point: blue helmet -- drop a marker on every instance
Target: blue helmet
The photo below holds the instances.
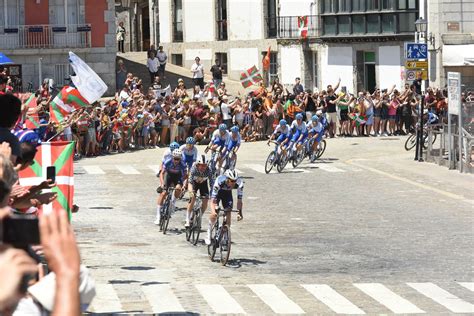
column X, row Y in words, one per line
column 190, row 140
column 283, row 122
column 234, row 129
column 222, row 127
column 315, row 118
column 174, row 145
column 299, row 116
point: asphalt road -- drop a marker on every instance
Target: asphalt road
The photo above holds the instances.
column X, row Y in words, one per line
column 363, row 230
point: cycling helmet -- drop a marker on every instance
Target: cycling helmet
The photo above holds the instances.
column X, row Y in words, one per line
column 231, row 174
column 315, row 118
column 177, row 153
column 299, row 116
column 283, row 122
column 201, row 159
column 222, row 127
column 234, row 129
column 174, row 145
column 190, row 140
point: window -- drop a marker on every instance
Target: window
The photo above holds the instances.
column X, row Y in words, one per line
column 369, row 57
column 271, row 19
column 344, row 24
column 372, row 5
column 344, row 5
column 358, row 5
column 177, row 59
column 373, row 23
column 329, row 25
column 411, row 4
column 178, row 21
column 221, row 16
column 402, row 4
column 388, row 23
column 388, row 4
column 406, row 22
column 10, row 13
column 64, row 12
column 222, row 58
column 329, row 6
column 358, row 24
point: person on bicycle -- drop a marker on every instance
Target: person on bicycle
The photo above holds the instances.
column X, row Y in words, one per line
column 300, row 132
column 315, row 131
column 166, row 156
column 198, row 181
column 431, row 118
column 173, row 174
column 222, row 193
column 283, row 131
column 219, row 139
column 233, row 144
column 190, row 154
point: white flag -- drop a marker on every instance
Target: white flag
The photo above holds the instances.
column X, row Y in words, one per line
column 89, row 84
column 163, row 93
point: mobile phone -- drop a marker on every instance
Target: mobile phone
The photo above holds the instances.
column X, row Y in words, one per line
column 51, row 173
column 20, row 231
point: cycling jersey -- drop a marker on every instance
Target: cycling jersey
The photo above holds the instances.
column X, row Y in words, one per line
column 217, row 139
column 189, row 155
column 316, row 129
column 220, row 186
column 198, row 176
column 175, row 169
column 284, row 131
column 166, row 155
column 432, row 118
column 232, row 143
column 298, row 131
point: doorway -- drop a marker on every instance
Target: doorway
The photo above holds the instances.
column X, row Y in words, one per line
column 146, row 28
column 370, row 82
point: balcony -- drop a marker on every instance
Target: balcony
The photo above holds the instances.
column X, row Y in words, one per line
column 46, row 36
column 286, row 27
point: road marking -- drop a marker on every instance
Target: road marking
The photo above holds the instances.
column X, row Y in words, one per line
column 106, row 300
column 329, row 168
column 93, row 170
column 420, row 185
column 332, row 299
column 127, row 169
column 162, row 298
column 271, row 295
column 155, row 168
column 467, row 285
column 440, row 296
column 389, row 299
column 288, row 168
column 256, row 167
column 219, row 299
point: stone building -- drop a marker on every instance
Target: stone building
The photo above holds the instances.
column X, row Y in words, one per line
column 37, row 36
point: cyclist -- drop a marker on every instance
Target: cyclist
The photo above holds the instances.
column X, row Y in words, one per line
column 166, row 156
column 432, row 117
column 222, row 192
column 284, row 130
column 300, row 132
column 219, row 140
column 198, row 181
column 190, row 152
column 233, row 144
column 173, row 174
column 315, row 131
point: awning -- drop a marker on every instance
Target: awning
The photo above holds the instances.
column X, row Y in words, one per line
column 4, row 59
column 458, row 55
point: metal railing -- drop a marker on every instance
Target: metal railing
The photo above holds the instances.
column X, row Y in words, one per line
column 177, row 31
column 221, row 30
column 287, row 27
column 46, row 36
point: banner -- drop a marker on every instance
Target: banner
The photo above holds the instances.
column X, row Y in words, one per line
column 303, row 26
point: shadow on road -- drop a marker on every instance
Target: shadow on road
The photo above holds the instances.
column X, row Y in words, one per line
column 238, row 263
column 137, row 268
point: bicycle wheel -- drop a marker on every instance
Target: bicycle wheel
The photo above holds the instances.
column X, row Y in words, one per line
column 270, row 161
column 196, row 228
column 425, row 140
column 299, row 158
column 166, row 213
column 189, row 230
column 211, row 249
column 283, row 161
column 410, row 142
column 224, row 244
column 321, row 148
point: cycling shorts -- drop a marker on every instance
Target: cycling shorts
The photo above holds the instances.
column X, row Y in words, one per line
column 219, row 142
column 297, row 135
column 202, row 187
column 172, row 179
column 231, row 145
column 225, row 196
column 281, row 138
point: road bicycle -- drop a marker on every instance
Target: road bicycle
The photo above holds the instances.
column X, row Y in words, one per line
column 230, row 161
column 166, row 210
column 194, row 229
column 220, row 237
column 273, row 157
column 213, row 163
column 410, row 143
column 285, row 156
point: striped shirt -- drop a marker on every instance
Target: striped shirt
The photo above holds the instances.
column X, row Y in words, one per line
column 198, row 176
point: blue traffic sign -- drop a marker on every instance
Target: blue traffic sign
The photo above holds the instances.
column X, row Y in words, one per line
column 416, row 51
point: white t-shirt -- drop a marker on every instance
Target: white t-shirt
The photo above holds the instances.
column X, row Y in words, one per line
column 152, row 64
column 200, row 71
column 225, row 111
column 162, row 57
column 124, row 95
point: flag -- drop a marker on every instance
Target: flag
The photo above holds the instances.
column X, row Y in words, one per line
column 32, row 118
column 60, row 155
column 250, row 77
column 303, row 26
column 266, row 60
column 66, row 101
column 359, row 119
column 163, row 93
column 89, row 84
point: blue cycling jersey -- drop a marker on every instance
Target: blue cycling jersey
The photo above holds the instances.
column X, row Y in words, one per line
column 171, row 167
column 298, row 127
column 285, row 130
column 221, row 185
column 234, row 142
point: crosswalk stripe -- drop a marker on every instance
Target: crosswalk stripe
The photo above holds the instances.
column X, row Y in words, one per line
column 162, row 298
column 155, row 168
column 389, row 299
column 288, row 169
column 256, row 167
column 219, row 299
column 93, row 170
column 271, row 295
column 443, row 297
column 127, row 169
column 329, row 168
column 106, row 299
column 332, row 299
column 467, row 285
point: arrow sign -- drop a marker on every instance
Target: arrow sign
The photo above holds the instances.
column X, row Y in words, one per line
column 416, row 64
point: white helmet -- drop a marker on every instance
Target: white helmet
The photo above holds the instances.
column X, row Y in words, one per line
column 201, row 159
column 177, row 153
column 231, row 174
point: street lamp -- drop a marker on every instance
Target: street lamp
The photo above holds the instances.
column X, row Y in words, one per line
column 421, row 27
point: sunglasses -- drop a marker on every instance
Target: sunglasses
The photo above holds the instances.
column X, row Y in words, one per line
column 176, row 158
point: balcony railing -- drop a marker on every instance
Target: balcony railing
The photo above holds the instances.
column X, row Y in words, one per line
column 221, row 30
column 287, row 27
column 45, row 36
